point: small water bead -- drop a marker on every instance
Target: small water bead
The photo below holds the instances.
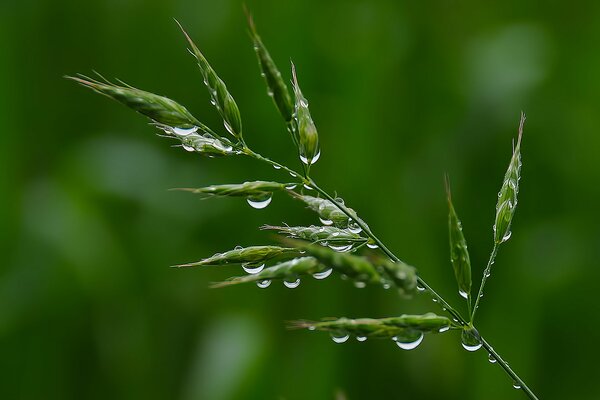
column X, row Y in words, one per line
column 419, row 288
column 444, row 329
column 188, row 148
column 386, row 285
column 238, row 247
column 259, row 202
column 372, row 246
column 293, row 174
column 360, row 285
column 326, row 221
column 516, row 385
column 463, row 294
column 341, row 248
column 354, row 227
column 409, row 343
column 339, row 337
column 492, row 359
column 291, row 186
column 184, row 131
column 253, row 269
column 264, row 283
column 323, row 275
column 307, row 187
column 506, row 236
column 312, row 328
column 228, row 128
column 292, row 284
column 339, row 200
column 276, row 166
column 470, row 339
column 361, row 338
column 434, row 300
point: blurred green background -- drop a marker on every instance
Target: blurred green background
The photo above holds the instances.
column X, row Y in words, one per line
column 401, row 91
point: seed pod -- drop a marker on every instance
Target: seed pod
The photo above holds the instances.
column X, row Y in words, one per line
column 402, row 326
column 254, row 189
column 356, row 268
column 326, row 210
column 221, row 98
column 244, row 255
column 276, row 87
column 290, row 269
column 402, row 275
column 158, row 108
column 507, row 197
column 308, row 138
column 459, row 255
column 328, row 234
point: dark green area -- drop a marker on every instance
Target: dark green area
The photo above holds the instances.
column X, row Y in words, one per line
column 401, row 92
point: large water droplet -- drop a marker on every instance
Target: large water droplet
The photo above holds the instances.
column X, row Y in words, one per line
column 409, row 342
column 492, row 359
column 463, row 294
column 361, row 338
column 341, row 248
column 253, row 269
column 339, row 337
column 292, row 284
column 323, row 275
column 184, row 131
column 420, row 288
column 259, row 202
column 354, row 227
column 470, row 339
column 263, row 284
column 325, row 221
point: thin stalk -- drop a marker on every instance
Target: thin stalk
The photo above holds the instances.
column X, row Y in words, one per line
column 439, row 299
column 508, row 370
column 486, row 274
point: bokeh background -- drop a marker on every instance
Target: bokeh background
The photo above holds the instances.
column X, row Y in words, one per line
column 401, row 91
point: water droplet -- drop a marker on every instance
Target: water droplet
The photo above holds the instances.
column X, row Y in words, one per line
column 420, row 288
column 434, row 300
column 293, row 174
column 276, row 166
column 253, row 269
column 184, row 131
column 360, row 284
column 470, row 339
column 506, row 236
column 187, row 147
column 372, row 245
column 325, row 221
column 361, row 338
column 307, row 187
column 339, row 337
column 339, row 200
column 492, row 359
column 263, row 284
column 291, row 186
column 444, row 329
column 238, row 247
column 323, row 275
column 228, row 127
column 292, row 284
column 259, row 202
column 312, row 328
column 386, row 285
column 341, row 248
column 354, row 227
column 409, row 343
column 516, row 385
column 304, row 102
column 463, row 294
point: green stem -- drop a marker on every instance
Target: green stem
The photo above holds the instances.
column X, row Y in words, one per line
column 439, row 299
column 486, row 274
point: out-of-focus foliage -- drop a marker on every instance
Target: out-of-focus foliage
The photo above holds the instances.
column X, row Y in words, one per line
column 402, row 92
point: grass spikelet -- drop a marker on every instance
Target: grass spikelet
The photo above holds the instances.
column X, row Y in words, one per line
column 402, row 275
column 327, row 211
column 221, row 98
column 507, row 197
column 254, row 189
column 244, row 255
column 321, row 234
column 308, row 138
column 288, row 270
column 276, row 87
column 158, row 108
column 459, row 255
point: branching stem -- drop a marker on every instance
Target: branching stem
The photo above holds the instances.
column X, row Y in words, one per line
column 306, row 180
column 486, row 274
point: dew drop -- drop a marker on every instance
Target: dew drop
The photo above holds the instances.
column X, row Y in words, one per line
column 470, row 339
column 516, row 385
column 354, row 227
column 492, row 359
column 326, row 221
column 238, row 247
column 184, row 131
column 291, row 186
column 419, row 288
column 361, row 338
column 323, row 275
column 307, row 187
column 444, row 329
column 253, row 269
column 292, row 284
column 312, row 328
column 409, row 343
column 228, row 127
column 259, row 202
column 339, row 337
column 188, row 148
column 506, row 236
column 276, row 166
column 463, row 294
column 386, row 286
column 263, row 284
column 341, row 248
column 360, row 284
column 293, row 174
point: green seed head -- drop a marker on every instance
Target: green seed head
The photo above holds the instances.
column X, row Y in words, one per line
column 254, row 189
column 402, row 275
column 322, row 234
column 326, row 210
column 308, row 138
column 244, row 255
column 158, row 108
column 276, row 87
column 220, row 96
column 459, row 255
column 507, row 197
